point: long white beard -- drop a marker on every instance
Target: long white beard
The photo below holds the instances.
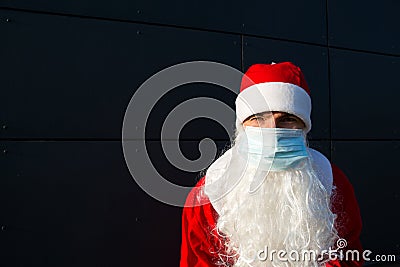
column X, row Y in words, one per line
column 290, row 211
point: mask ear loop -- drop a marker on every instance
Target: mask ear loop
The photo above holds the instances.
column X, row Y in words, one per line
column 306, row 138
column 258, row 182
column 260, row 174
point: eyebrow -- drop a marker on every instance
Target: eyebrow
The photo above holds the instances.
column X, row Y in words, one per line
column 286, row 115
column 259, row 114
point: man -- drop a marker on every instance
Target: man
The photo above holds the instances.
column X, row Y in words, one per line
column 269, row 192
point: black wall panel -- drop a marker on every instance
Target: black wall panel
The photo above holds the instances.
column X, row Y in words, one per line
column 288, row 19
column 221, row 127
column 74, row 203
column 72, row 77
column 69, row 70
column 314, row 63
column 322, row 146
column 59, row 197
column 212, row 15
column 375, row 181
column 365, row 25
column 364, row 95
column 264, row 18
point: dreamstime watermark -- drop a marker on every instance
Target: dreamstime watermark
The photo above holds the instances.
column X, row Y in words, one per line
column 321, row 257
column 143, row 102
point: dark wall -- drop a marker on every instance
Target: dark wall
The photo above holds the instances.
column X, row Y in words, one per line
column 69, row 69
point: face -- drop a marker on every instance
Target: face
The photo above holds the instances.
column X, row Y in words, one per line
column 274, row 119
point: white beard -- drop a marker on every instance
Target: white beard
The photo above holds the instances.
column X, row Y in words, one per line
column 290, row 211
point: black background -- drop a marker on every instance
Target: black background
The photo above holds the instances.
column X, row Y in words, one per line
column 68, row 70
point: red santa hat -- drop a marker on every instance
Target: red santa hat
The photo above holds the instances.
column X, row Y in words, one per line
column 274, row 87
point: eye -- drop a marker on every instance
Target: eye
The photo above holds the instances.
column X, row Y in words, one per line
column 259, row 118
column 256, row 118
column 289, row 119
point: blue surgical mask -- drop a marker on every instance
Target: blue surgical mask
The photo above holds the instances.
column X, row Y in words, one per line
column 273, row 149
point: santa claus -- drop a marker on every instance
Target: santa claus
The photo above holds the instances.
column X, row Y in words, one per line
column 270, row 200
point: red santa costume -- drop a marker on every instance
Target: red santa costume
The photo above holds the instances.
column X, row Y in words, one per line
column 240, row 212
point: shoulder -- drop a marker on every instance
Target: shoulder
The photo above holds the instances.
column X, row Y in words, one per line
column 343, row 189
column 196, row 196
column 345, row 206
column 198, row 207
column 331, row 176
column 200, row 241
column 340, row 178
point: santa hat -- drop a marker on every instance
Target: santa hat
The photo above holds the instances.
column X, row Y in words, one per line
column 274, row 87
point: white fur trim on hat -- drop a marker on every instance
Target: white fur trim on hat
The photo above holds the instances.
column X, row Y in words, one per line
column 274, row 96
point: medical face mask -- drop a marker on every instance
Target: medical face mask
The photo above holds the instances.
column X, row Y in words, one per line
column 273, row 149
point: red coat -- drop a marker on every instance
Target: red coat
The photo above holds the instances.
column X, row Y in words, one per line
column 199, row 239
